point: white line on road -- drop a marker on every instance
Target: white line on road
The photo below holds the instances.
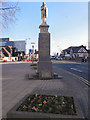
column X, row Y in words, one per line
column 76, row 69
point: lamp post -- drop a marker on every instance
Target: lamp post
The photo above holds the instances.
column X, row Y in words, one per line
column 33, row 43
column 26, row 45
column 59, row 49
column 26, row 42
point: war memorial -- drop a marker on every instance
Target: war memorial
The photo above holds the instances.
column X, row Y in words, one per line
column 44, row 64
column 46, row 105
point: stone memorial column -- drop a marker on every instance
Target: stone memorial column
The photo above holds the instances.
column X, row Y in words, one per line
column 44, row 64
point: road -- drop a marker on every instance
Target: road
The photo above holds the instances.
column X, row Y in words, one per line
column 76, row 68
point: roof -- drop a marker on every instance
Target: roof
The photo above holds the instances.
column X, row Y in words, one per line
column 75, row 49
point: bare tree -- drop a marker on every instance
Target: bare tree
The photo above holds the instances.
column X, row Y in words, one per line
column 8, row 12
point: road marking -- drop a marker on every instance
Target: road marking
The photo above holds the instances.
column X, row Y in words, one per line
column 85, row 81
column 75, row 69
column 80, row 78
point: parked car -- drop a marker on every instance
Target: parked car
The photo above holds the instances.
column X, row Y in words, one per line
column 7, row 59
column 35, row 59
column 29, row 59
column 58, row 58
column 4, row 60
column 52, row 58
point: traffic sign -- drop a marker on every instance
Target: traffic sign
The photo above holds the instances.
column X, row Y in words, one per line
column 30, row 50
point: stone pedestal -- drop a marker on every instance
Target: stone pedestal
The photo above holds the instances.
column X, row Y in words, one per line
column 44, row 64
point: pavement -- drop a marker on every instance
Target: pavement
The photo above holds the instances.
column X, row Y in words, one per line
column 15, row 86
column 69, row 61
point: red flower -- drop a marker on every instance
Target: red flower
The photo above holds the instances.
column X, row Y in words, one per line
column 24, row 106
column 39, row 96
column 44, row 102
column 48, row 97
column 33, row 108
column 32, row 101
column 36, row 109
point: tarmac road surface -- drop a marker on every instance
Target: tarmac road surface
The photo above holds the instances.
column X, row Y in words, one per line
column 78, row 69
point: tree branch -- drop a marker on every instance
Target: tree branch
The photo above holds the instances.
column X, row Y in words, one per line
column 7, row 8
column 8, row 13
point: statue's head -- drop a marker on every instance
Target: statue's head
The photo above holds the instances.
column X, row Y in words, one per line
column 43, row 3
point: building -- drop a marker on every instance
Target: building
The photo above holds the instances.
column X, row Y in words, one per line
column 75, row 52
column 6, row 46
column 10, row 48
column 5, row 39
column 20, row 48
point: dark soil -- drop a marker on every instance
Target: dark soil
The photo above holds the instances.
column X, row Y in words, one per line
column 33, row 64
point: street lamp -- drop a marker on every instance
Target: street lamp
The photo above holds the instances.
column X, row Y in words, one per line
column 59, row 49
column 26, row 42
column 33, row 43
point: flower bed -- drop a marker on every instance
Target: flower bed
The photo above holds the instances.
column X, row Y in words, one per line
column 48, row 104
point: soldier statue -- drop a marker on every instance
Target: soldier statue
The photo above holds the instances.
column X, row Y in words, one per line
column 44, row 13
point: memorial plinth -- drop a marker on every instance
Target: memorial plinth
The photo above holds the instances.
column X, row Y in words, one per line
column 44, row 64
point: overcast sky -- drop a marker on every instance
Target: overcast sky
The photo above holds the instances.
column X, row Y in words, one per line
column 68, row 24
